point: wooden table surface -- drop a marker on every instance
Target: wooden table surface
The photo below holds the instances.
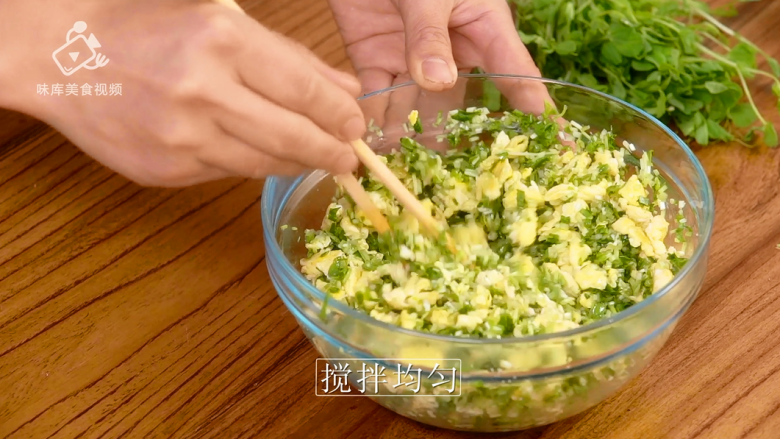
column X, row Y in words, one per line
column 136, row 312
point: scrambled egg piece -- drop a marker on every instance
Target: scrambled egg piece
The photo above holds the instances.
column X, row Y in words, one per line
column 414, row 116
column 523, row 232
column 633, row 190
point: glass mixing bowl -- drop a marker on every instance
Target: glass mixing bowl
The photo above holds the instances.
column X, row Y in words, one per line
column 502, row 384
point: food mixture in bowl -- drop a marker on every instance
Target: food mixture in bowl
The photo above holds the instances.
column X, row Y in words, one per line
column 554, row 229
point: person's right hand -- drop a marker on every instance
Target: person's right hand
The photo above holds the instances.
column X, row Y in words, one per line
column 206, row 93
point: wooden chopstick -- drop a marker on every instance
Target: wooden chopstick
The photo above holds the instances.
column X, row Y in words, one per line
column 369, row 158
column 364, row 202
column 394, row 185
column 347, row 181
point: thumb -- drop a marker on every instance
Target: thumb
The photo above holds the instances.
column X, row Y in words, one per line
column 428, row 48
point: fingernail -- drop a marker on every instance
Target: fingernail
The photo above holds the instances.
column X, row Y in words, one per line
column 437, row 70
column 353, row 129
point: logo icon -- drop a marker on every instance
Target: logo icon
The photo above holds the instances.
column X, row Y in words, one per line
column 78, row 51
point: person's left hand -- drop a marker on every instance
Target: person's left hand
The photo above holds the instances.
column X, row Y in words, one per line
column 430, row 40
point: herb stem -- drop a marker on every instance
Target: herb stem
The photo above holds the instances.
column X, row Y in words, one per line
column 766, row 74
column 611, row 73
column 720, row 43
column 670, row 24
column 728, row 31
column 718, row 57
column 750, row 96
column 715, row 22
column 736, row 67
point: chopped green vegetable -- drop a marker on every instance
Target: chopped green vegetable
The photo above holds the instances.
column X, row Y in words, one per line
column 439, row 119
column 491, row 97
column 672, row 58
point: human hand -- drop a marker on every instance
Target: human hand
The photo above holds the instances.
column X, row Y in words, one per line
column 430, row 40
column 206, row 92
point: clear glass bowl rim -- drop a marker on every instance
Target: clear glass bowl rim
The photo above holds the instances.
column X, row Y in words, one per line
column 705, row 224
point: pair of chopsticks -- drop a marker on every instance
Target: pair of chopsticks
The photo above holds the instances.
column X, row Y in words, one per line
column 383, row 174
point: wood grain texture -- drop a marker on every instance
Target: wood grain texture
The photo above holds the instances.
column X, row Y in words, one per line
column 132, row 312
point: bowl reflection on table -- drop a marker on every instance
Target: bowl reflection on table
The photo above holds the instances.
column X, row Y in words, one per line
column 511, row 383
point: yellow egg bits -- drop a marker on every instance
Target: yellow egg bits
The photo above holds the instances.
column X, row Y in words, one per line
column 548, row 238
